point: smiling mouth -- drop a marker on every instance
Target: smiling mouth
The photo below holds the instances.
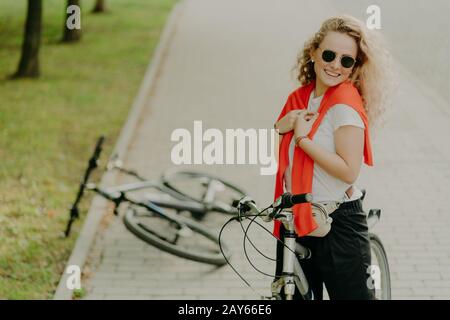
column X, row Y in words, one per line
column 332, row 74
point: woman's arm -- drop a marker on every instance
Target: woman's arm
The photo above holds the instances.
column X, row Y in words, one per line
column 286, row 123
column 346, row 163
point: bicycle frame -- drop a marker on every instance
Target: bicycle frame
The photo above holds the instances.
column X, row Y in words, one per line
column 185, row 202
column 118, row 194
column 119, row 197
column 292, row 272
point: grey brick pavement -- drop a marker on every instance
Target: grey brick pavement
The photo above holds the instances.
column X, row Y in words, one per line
column 228, row 65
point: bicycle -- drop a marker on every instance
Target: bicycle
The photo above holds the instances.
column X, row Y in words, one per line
column 203, row 192
column 292, row 274
column 147, row 220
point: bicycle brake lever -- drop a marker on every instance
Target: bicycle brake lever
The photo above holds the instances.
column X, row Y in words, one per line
column 269, row 217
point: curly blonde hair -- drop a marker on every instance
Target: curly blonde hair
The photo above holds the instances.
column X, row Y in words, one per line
column 372, row 73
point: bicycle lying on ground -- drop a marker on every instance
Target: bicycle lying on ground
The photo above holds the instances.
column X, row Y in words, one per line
column 202, row 191
column 145, row 217
column 292, row 274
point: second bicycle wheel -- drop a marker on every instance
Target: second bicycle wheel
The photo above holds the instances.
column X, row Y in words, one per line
column 212, row 191
column 381, row 276
column 178, row 235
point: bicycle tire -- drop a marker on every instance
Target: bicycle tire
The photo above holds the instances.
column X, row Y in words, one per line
column 144, row 232
column 377, row 248
column 192, row 177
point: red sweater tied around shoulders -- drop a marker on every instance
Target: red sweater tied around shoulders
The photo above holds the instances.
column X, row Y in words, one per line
column 303, row 165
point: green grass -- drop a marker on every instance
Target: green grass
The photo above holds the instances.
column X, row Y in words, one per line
column 48, row 127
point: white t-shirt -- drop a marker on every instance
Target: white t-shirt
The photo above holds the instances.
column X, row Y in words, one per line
column 326, row 187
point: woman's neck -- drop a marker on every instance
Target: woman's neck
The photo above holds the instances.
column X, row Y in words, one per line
column 319, row 90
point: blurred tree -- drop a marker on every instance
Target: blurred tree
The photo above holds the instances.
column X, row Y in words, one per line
column 29, row 61
column 72, row 27
column 100, row 6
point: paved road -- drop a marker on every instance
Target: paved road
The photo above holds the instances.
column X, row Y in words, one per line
column 228, row 65
column 418, row 35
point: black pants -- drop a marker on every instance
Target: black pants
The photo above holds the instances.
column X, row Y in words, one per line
column 341, row 259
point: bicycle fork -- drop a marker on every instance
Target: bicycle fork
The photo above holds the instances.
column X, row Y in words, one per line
column 292, row 273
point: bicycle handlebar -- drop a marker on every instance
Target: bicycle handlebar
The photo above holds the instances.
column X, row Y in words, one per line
column 247, row 206
column 288, row 200
column 92, row 164
column 116, row 196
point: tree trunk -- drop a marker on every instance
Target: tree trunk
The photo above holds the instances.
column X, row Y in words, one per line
column 72, row 34
column 100, row 6
column 29, row 61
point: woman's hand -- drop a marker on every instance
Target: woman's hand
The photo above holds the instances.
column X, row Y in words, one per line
column 304, row 122
column 286, row 123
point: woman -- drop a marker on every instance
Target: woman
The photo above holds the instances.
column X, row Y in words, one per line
column 324, row 125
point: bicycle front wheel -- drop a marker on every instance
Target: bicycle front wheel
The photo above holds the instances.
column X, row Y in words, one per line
column 179, row 236
column 380, row 272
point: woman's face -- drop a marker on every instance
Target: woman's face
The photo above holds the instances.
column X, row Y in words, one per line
column 329, row 74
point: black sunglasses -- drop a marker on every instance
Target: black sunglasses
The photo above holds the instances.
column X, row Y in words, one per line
column 329, row 56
